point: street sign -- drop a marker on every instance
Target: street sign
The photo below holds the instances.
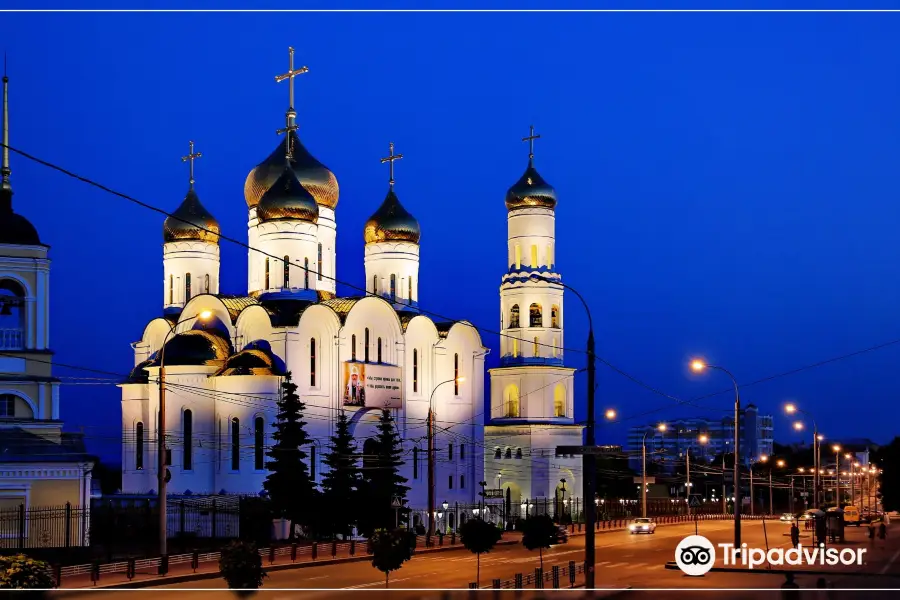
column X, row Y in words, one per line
column 695, row 501
column 804, row 494
column 493, row 493
column 397, row 502
column 649, row 479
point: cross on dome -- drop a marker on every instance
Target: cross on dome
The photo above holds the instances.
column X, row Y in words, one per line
column 192, row 156
column 390, row 159
column 530, row 139
column 291, row 114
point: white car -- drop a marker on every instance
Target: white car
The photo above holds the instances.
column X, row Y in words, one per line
column 786, row 517
column 642, row 525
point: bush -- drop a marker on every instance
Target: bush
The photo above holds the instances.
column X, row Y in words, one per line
column 22, row 572
column 241, row 566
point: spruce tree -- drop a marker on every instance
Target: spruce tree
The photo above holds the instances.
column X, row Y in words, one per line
column 292, row 492
column 340, row 485
column 381, row 479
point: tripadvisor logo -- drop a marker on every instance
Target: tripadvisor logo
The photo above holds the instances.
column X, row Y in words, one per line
column 695, row 555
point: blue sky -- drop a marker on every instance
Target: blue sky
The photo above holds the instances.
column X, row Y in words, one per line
column 727, row 183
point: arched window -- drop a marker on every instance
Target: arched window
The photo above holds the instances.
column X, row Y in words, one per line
column 518, row 256
column 370, row 456
column 139, row 446
column 287, row 271
column 188, row 435
column 514, row 317
column 498, row 453
column 536, row 318
column 536, row 347
column 452, row 520
column 554, row 316
column 410, row 289
column 366, row 347
column 235, row 444
column 508, row 453
column 171, row 289
column 456, row 374
column 206, row 283
column 378, row 356
column 266, row 278
column 319, row 263
column 187, row 287
column 259, row 439
column 393, row 287
column 306, row 273
column 312, row 362
column 375, row 284
column 353, row 347
column 415, row 370
column 559, row 401
column 534, row 258
column 518, row 453
column 511, row 401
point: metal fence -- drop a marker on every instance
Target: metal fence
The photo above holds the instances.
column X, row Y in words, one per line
column 45, row 527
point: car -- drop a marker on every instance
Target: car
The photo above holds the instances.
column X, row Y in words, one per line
column 642, row 525
column 808, row 515
column 562, row 534
column 786, row 517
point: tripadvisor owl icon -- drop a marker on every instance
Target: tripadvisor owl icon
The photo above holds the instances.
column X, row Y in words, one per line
column 695, row 555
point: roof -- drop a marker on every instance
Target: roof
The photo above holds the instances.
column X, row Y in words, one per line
column 18, row 445
column 235, row 304
column 342, row 306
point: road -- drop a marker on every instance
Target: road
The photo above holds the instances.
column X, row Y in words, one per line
column 623, row 561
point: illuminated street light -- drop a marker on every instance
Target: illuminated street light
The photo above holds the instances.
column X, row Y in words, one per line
column 798, row 425
column 610, row 414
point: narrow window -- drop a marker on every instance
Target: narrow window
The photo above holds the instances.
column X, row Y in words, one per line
column 187, row 287
column 508, row 453
column 549, row 256
column 188, row 434
column 206, row 283
column 266, row 280
column 312, row 362
column 353, row 347
column 410, row 288
column 378, row 356
column 312, row 463
column 287, row 271
column 559, row 401
column 554, row 316
column 536, row 350
column 306, row 273
column 462, row 453
column 416, row 462
column 450, row 482
column 518, row 453
column 534, row 261
column 456, row 374
column 514, row 317
column 139, row 446
column 393, row 287
column 375, row 284
column 171, row 289
column 535, row 316
column 515, row 351
column 235, row 444
column 449, row 451
column 497, row 453
column 366, row 347
column 518, row 256
column 259, row 437
column 319, row 263
column 415, row 370
column 462, row 482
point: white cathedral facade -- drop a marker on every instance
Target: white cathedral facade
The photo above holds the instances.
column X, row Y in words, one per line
column 225, row 355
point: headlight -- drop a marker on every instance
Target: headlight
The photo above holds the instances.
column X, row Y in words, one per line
column 631, row 527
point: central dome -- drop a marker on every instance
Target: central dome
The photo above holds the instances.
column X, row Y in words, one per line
column 531, row 191
column 287, row 200
column 191, row 221
column 312, row 175
column 392, row 223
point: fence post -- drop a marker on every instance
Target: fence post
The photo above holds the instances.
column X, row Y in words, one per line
column 555, row 577
column 294, row 552
column 352, row 547
column 164, row 564
column 496, row 584
column 315, row 550
column 22, row 526
column 195, row 560
column 129, row 570
column 518, row 579
column 571, row 573
column 333, row 548
column 95, row 572
column 57, row 574
column 538, row 578
column 212, row 520
column 271, row 553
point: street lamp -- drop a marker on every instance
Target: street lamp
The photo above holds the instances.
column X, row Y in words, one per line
column 660, row 427
column 837, row 474
column 792, row 409
column 161, row 441
column 431, row 451
column 702, row 439
column 610, row 414
column 699, row 366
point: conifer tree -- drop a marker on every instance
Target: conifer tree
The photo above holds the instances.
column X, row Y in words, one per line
column 292, row 492
column 340, row 485
column 381, row 478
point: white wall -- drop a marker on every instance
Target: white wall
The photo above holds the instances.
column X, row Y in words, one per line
column 400, row 259
column 199, row 259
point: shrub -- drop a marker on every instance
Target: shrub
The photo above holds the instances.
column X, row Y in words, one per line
column 21, row 572
column 241, row 566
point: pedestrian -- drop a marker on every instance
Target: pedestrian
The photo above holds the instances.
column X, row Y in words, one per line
column 789, row 586
column 795, row 535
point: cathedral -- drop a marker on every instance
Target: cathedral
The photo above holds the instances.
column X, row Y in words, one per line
column 223, row 356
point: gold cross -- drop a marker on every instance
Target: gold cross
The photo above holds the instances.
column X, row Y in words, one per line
column 390, row 159
column 530, row 139
column 290, row 76
column 192, row 157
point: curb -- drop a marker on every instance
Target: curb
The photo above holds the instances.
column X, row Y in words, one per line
column 145, row 583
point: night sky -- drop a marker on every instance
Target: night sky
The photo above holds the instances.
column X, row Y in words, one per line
column 727, row 183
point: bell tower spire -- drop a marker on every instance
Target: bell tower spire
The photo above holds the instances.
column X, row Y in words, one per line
column 5, row 171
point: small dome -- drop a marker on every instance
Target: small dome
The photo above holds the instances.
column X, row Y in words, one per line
column 250, row 362
column 194, row 222
column 531, row 191
column 139, row 373
column 206, row 347
column 392, row 223
column 287, row 199
column 16, row 229
column 312, row 175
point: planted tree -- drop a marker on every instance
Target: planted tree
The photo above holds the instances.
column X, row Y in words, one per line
column 20, row 572
column 340, row 485
column 381, row 481
column 241, row 566
column 288, row 483
column 390, row 549
column 539, row 532
column 479, row 536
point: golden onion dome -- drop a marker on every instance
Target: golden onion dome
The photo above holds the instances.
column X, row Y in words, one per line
column 531, row 191
column 286, row 200
column 312, row 175
column 191, row 221
column 392, row 223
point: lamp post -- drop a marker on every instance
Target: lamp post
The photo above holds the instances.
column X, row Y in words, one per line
column 817, row 463
column 589, row 460
column 431, row 453
column 445, row 506
column 483, row 485
column 779, row 464
column 762, row 458
column 161, row 439
column 853, row 467
column 702, row 439
column 837, row 474
column 698, row 366
column 660, row 427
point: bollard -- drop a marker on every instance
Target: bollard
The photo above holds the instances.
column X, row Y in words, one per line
column 518, row 581
column 315, row 550
column 496, row 584
column 95, row 572
column 555, row 575
column 538, row 578
column 164, row 564
column 57, row 575
column 473, row 585
column 571, row 573
column 294, row 552
column 333, row 548
column 195, row 560
column 271, row 553
column 352, row 547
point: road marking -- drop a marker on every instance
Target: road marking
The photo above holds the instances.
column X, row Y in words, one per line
column 617, row 565
column 353, row 587
column 890, row 562
column 600, row 564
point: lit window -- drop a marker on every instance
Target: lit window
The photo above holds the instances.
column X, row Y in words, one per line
column 187, row 287
column 259, row 437
column 393, row 286
column 511, row 401
column 266, row 280
column 536, row 349
column 206, row 283
column 535, row 316
column 559, row 401
column 554, row 316
column 456, row 374
column 410, row 289
column 171, row 289
column 515, row 349
column 514, row 317
column 534, row 259
column 518, row 256
column 549, row 256
column 319, row 264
